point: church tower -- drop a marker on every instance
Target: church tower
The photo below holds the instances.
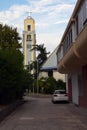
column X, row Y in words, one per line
column 29, row 40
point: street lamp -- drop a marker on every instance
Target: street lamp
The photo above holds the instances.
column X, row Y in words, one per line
column 37, row 76
column 31, row 71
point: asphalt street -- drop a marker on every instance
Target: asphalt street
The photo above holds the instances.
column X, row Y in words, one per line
column 42, row 114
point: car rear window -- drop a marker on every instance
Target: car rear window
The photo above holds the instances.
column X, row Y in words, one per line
column 59, row 92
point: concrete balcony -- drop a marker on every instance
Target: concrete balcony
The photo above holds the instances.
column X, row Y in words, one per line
column 76, row 56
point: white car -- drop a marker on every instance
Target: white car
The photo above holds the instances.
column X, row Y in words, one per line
column 60, row 95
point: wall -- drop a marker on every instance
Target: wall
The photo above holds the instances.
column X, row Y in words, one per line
column 83, row 98
column 69, row 88
column 75, row 90
column 58, row 75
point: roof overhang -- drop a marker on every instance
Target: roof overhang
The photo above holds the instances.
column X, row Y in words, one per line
column 48, row 69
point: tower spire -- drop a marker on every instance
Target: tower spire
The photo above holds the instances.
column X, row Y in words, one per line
column 29, row 13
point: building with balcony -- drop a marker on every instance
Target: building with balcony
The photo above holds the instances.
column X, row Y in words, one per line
column 72, row 54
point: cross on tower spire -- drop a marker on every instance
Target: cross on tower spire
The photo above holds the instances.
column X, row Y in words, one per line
column 29, row 13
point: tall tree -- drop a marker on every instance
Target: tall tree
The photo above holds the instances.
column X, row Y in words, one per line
column 42, row 53
column 9, row 37
column 41, row 57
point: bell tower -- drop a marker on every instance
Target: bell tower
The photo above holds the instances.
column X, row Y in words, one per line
column 29, row 40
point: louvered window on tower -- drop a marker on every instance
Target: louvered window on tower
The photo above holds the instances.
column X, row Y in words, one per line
column 29, row 27
column 28, row 37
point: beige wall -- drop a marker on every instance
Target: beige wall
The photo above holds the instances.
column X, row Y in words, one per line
column 56, row 75
column 29, row 22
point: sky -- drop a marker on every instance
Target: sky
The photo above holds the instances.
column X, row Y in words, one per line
column 51, row 18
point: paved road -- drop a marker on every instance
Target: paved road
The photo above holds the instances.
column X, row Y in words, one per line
column 41, row 114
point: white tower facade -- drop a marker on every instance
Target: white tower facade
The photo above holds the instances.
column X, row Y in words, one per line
column 29, row 40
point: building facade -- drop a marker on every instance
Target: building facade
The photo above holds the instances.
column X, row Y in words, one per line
column 72, row 54
column 29, row 40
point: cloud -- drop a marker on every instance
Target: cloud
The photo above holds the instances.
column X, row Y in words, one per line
column 57, row 10
column 50, row 7
column 14, row 12
column 50, row 41
column 50, row 13
column 47, row 13
column 41, row 2
column 42, row 25
column 61, row 21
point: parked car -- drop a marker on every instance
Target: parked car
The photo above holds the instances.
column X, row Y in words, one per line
column 60, row 95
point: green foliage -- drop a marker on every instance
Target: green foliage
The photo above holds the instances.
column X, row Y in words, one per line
column 48, row 85
column 9, row 38
column 42, row 53
column 13, row 78
column 41, row 58
column 61, row 84
column 27, row 80
column 42, row 84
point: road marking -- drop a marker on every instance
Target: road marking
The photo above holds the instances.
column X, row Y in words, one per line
column 27, row 118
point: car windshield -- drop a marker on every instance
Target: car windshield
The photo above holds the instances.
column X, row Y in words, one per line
column 59, row 92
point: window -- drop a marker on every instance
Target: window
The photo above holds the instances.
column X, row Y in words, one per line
column 28, row 37
column 80, row 83
column 84, row 12
column 77, row 25
column 64, row 47
column 67, row 41
column 85, row 22
column 50, row 73
column 29, row 27
column 70, row 35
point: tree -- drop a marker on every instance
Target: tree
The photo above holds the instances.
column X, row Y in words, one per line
column 41, row 84
column 50, row 85
column 42, row 53
column 14, row 80
column 61, row 84
column 9, row 37
column 41, row 58
column 10, row 72
column 46, row 85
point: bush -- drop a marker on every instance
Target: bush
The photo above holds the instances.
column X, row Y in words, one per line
column 61, row 84
column 47, row 85
column 50, row 85
column 13, row 78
